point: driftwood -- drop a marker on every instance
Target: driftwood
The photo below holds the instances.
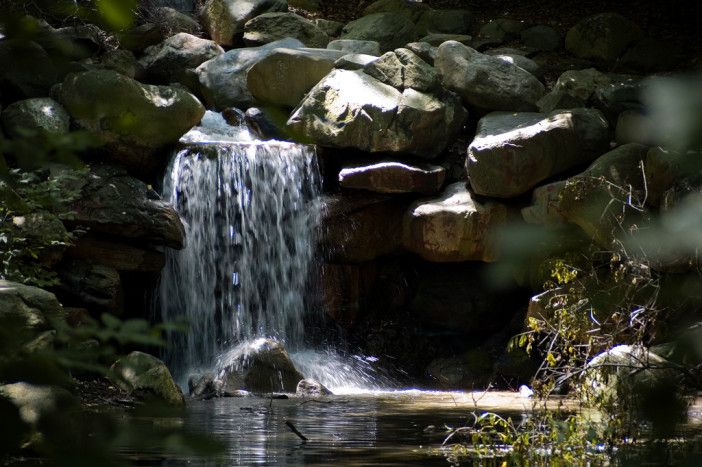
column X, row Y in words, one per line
column 295, row 430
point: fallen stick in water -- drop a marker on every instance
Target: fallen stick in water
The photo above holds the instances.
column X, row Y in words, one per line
column 295, row 430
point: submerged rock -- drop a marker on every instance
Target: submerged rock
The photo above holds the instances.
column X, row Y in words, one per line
column 261, row 366
column 146, row 376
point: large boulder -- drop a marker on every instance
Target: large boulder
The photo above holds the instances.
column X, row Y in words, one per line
column 224, row 20
column 453, row 227
column 544, row 208
column 41, row 114
column 44, row 233
column 403, row 69
column 27, row 71
column 171, row 21
column 390, row 29
column 113, row 203
column 94, row 286
column 355, row 46
column 574, row 88
column 29, row 308
column 169, row 61
column 393, row 177
column 602, row 37
column 486, row 82
column 223, row 80
column 286, row 75
column 145, row 376
column 513, row 152
column 117, row 255
column 270, row 27
column 351, row 109
column 444, row 22
column 261, row 366
column 131, row 119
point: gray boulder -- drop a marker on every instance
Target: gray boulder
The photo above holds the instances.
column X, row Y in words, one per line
column 27, row 70
column 311, row 388
column 41, row 114
column 171, row 21
column 270, row 27
column 355, row 46
column 93, row 286
column 223, row 80
column 501, row 30
column 635, row 127
column 602, row 37
column 145, row 376
column 541, row 37
column 573, row 89
column 424, row 50
column 403, row 69
column 351, row 109
column 225, row 19
column 453, row 227
column 31, row 308
column 484, row 81
column 330, row 28
column 436, row 39
column 286, row 75
column 445, row 22
column 354, row 61
column 111, row 202
column 393, row 177
column 513, row 152
column 522, row 62
column 131, row 119
column 544, row 208
column 390, row 29
column 169, row 61
column 260, row 366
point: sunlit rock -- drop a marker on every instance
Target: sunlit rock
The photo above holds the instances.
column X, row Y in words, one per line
column 351, row 109
column 355, row 46
column 145, row 376
column 40, row 114
column 225, row 19
column 311, row 388
column 31, row 308
column 223, row 80
column 453, row 227
column 270, row 27
column 513, row 152
column 486, row 82
column 544, row 205
column 286, row 75
column 403, row 69
column 393, row 177
column 168, row 61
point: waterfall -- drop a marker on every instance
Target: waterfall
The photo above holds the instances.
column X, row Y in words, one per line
column 250, row 210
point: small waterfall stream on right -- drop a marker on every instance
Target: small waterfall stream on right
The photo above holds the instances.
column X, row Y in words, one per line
column 250, row 209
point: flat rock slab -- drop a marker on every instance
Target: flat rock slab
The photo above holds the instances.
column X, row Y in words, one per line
column 393, row 177
column 453, row 227
column 513, row 152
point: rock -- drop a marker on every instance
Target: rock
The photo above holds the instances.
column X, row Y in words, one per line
column 41, row 114
column 559, row 100
column 541, row 37
column 122, row 61
column 424, row 50
column 260, row 366
column 522, row 62
column 445, row 22
column 225, row 19
column 131, row 119
column 168, row 61
column 634, row 127
column 341, row 293
column 270, row 27
column 453, row 227
column 31, row 308
column 351, row 109
column 223, row 80
column 73, row 42
column 204, row 386
column 140, row 37
column 171, row 21
column 356, row 229
column 113, row 203
column 484, row 81
column 27, row 70
column 648, row 55
column 501, row 30
column 390, row 29
column 389, row 6
column 308, row 5
column 266, row 123
column 513, row 152
column 41, row 406
column 604, row 37
column 93, row 286
column 144, row 375
column 393, row 177
column 184, row 6
column 436, row 39
column 329, row 27
column 623, row 372
column 581, row 83
column 668, row 172
column 355, row 46
column 286, row 75
column 115, row 255
column 619, row 94
column 45, row 229
column 403, row 69
column 311, row 388
column 354, row 61
column 544, row 208
column 598, row 199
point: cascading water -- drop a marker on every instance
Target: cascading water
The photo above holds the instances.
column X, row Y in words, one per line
column 250, row 209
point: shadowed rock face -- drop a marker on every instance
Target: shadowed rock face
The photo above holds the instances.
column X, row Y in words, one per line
column 393, row 177
column 146, row 376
